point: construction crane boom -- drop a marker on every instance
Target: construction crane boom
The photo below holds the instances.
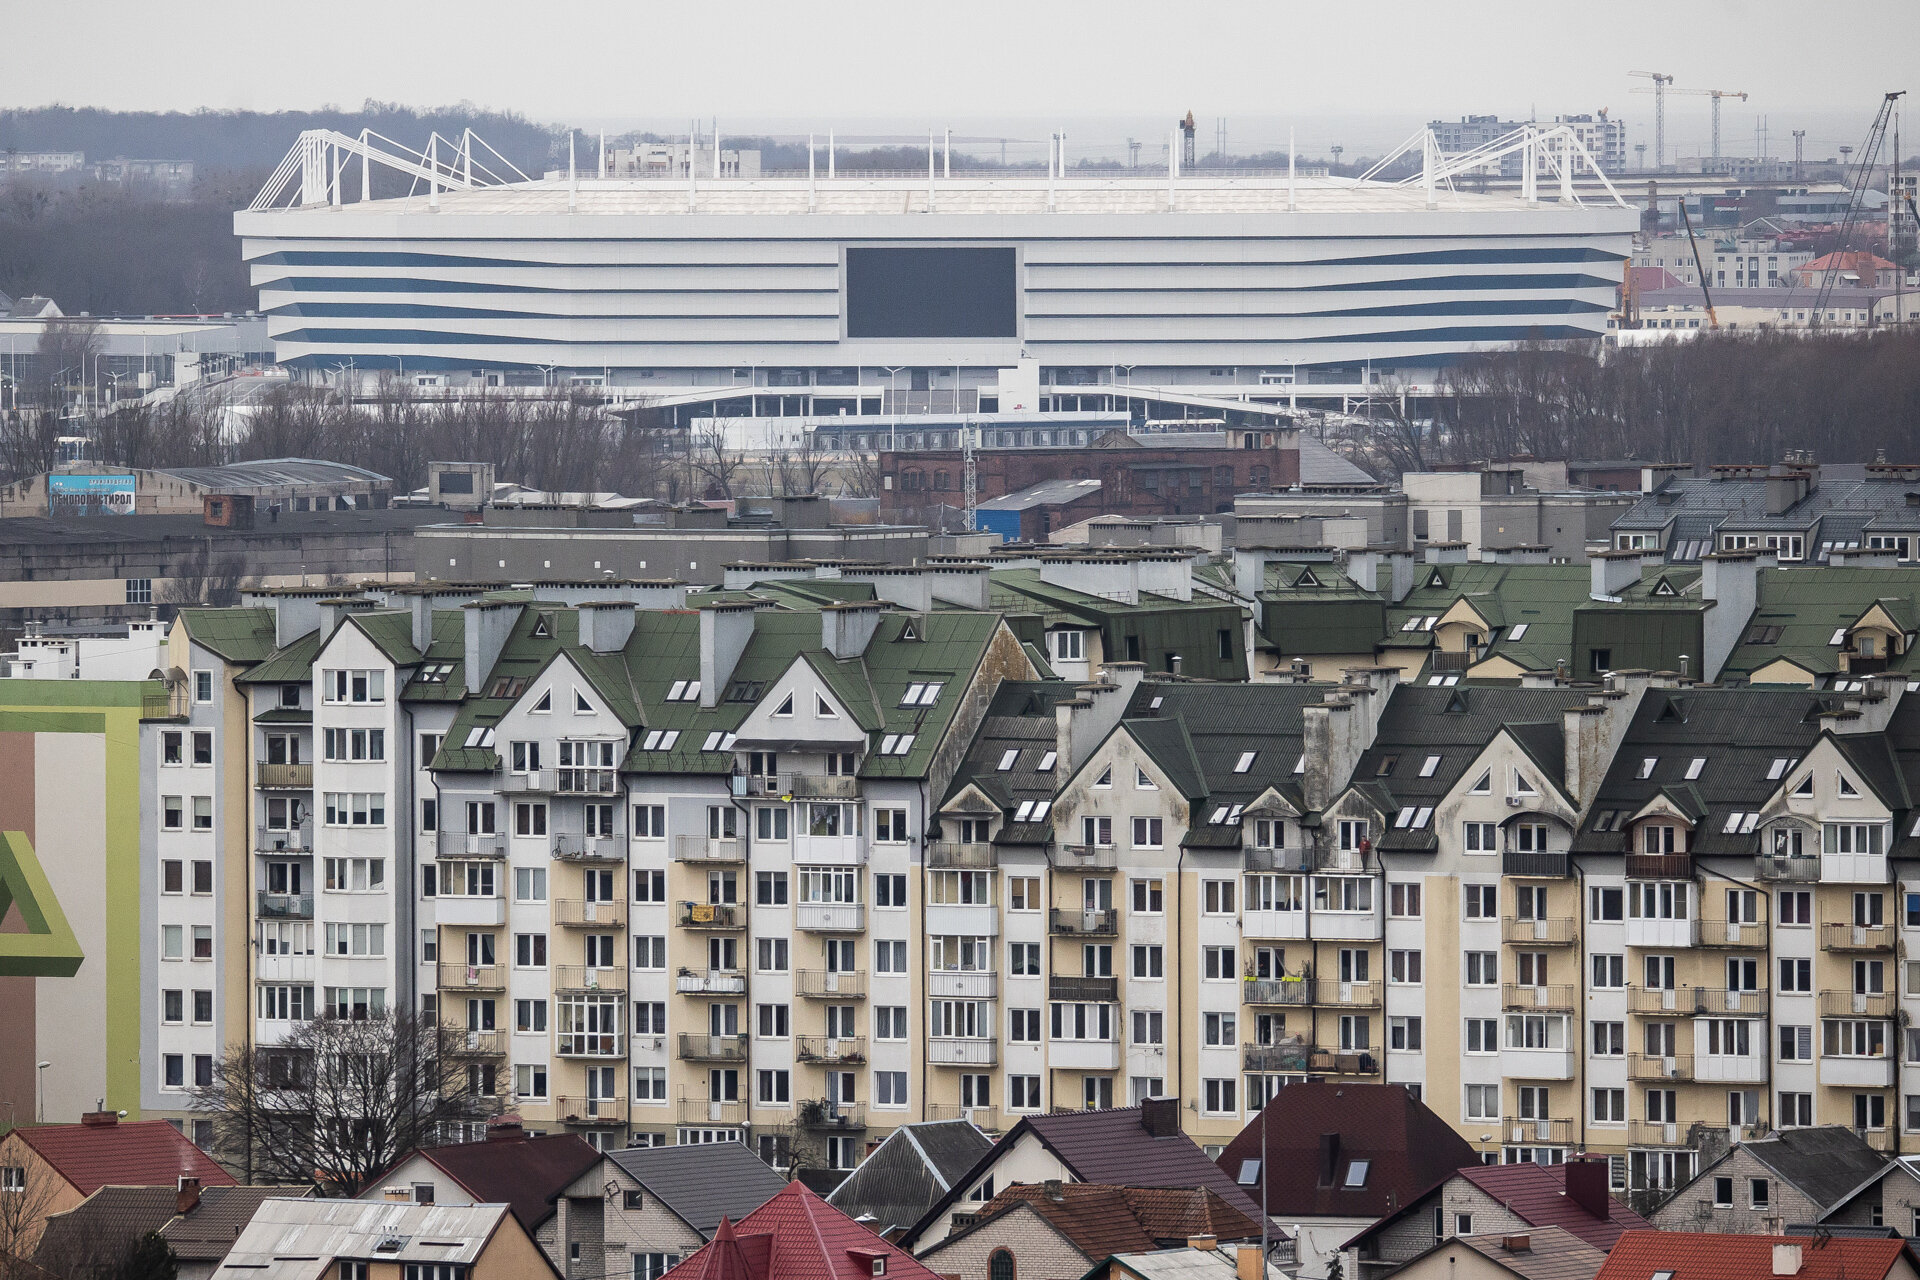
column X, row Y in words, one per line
column 1660, row 82
column 1869, row 155
column 1713, row 319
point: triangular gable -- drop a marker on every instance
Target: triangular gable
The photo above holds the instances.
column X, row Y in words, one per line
column 1543, row 779
column 1783, row 671
column 1436, row 577
column 1271, row 803
column 970, row 800
column 1663, row 586
column 801, row 679
column 1464, row 611
column 1877, row 616
column 1661, row 805
column 1307, row 578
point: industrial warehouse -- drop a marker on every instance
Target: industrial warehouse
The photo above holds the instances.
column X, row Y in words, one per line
column 1004, row 293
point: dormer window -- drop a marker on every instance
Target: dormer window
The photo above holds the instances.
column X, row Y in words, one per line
column 1646, row 767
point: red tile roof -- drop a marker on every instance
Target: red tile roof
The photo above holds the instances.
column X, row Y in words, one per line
column 1703, row 1255
column 1408, row 1147
column 796, row 1236
column 145, row 1153
column 1537, row 1195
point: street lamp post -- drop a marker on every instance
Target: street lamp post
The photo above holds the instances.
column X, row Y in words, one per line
column 40, row 1092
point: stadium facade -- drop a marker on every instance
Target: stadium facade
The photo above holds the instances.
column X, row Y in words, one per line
column 824, row 286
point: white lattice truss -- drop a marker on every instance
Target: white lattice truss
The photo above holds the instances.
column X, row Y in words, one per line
column 1553, row 152
column 316, row 170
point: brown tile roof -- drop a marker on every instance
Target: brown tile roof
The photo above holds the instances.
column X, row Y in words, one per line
column 1537, row 1195
column 223, row 1213
column 1551, row 1253
column 1408, row 1148
column 145, row 1153
column 1101, row 1219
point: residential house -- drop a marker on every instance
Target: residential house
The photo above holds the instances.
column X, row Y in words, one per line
column 1763, row 1185
column 327, row 1239
column 198, row 1223
column 1495, row 1201
column 687, row 1190
column 1791, row 509
column 54, row 1167
column 902, row 1177
column 1326, row 1158
column 1065, row 1228
column 1124, row 1146
column 1713, row 1256
column 1538, row 1253
column 796, row 1233
column 1887, row 1198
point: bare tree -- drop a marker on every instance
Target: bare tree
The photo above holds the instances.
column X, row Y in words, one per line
column 717, row 461
column 24, row 1210
column 337, row 1101
column 199, row 579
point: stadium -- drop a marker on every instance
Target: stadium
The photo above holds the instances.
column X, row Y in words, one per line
column 1008, row 292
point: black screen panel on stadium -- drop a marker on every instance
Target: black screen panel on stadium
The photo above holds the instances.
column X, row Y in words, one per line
column 932, row 292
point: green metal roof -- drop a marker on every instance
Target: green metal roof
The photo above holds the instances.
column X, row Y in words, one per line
column 242, row 636
column 1799, row 611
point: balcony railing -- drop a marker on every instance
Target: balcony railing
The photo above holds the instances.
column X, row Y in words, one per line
column 580, row 977
column 1786, row 867
column 1294, row 991
column 462, row 844
column 818, row 1113
column 1647, row 1066
column 586, row 782
column 831, row 1050
column 1654, row 1133
column 1659, row 866
column 591, row 1044
column 1357, row 995
column 987, row 1118
column 963, row 1051
column 1548, row 931
column 1290, row 1056
column 1526, row 1130
column 1553, row 866
column 578, row 913
column 1840, row 936
column 473, row 977
column 1732, row 933
column 1355, row 1063
column 1087, row 922
column 573, row 1109
column 951, row 854
column 708, row 849
column 830, row 917
column 1083, row 989
column 830, row 984
column 711, row 982
column 1858, row 1004
column 1520, row 997
column 283, row 777
column 702, row 1048
column 712, row 915
column 1086, row 857
column 478, row 1043
column 284, row 839
column 284, row 906
column 1270, row 858
column 711, row 1111
column 537, row 782
column 963, row 984
column 819, row 786
column 575, row 847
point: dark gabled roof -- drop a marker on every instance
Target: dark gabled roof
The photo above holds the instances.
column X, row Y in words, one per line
column 1797, row 612
column 1217, row 725
column 289, row 664
column 1020, row 719
column 525, row 1174
column 703, row 1184
column 1408, row 1147
column 1100, row 1219
column 796, row 1235
column 1737, row 733
column 1537, row 1195
column 99, row 1230
column 208, row 1233
column 1550, row 1254
column 916, row 1165
column 1455, row 724
column 1825, row 1164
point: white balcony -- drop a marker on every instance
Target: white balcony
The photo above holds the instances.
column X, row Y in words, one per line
column 1537, row 1064
column 708, row 849
column 712, row 982
column 962, row 920
column 830, row 917
column 1084, row 1055
column 962, row 1051
column 829, row 851
column 1273, row 924
column 1347, row 926
column 1727, row 1068
column 476, row 911
column 964, row 984
column 1663, row 933
column 1856, row 1073
column 1854, row 868
column 271, row 968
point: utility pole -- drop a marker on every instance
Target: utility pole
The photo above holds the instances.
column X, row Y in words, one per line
column 1640, row 156
column 1336, row 157
column 1799, row 143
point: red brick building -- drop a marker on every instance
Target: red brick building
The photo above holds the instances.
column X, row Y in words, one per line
column 1138, row 478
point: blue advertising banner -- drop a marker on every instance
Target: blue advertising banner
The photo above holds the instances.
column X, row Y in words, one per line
column 111, row 495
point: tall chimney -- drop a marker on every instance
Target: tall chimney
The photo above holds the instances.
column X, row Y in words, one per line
column 725, row 630
column 1587, row 1185
column 1160, row 1117
column 186, row 1196
column 1329, row 1159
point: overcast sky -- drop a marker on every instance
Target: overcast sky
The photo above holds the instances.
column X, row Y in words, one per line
column 767, row 63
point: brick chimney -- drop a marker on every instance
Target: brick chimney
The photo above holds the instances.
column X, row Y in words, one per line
column 186, row 1197
column 505, row 1129
column 1329, row 1159
column 1160, row 1117
column 100, row 1119
column 1587, row 1185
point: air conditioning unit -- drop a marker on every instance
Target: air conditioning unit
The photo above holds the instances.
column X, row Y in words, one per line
column 1514, row 802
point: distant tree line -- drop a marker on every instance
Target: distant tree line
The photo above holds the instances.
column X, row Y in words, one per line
column 1723, row 397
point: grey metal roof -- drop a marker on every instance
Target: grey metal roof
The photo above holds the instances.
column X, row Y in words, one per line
column 300, row 1239
column 1048, row 493
column 703, row 1183
column 267, row 473
column 1321, row 466
column 1841, row 509
column 915, row 1166
column 1825, row 1163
